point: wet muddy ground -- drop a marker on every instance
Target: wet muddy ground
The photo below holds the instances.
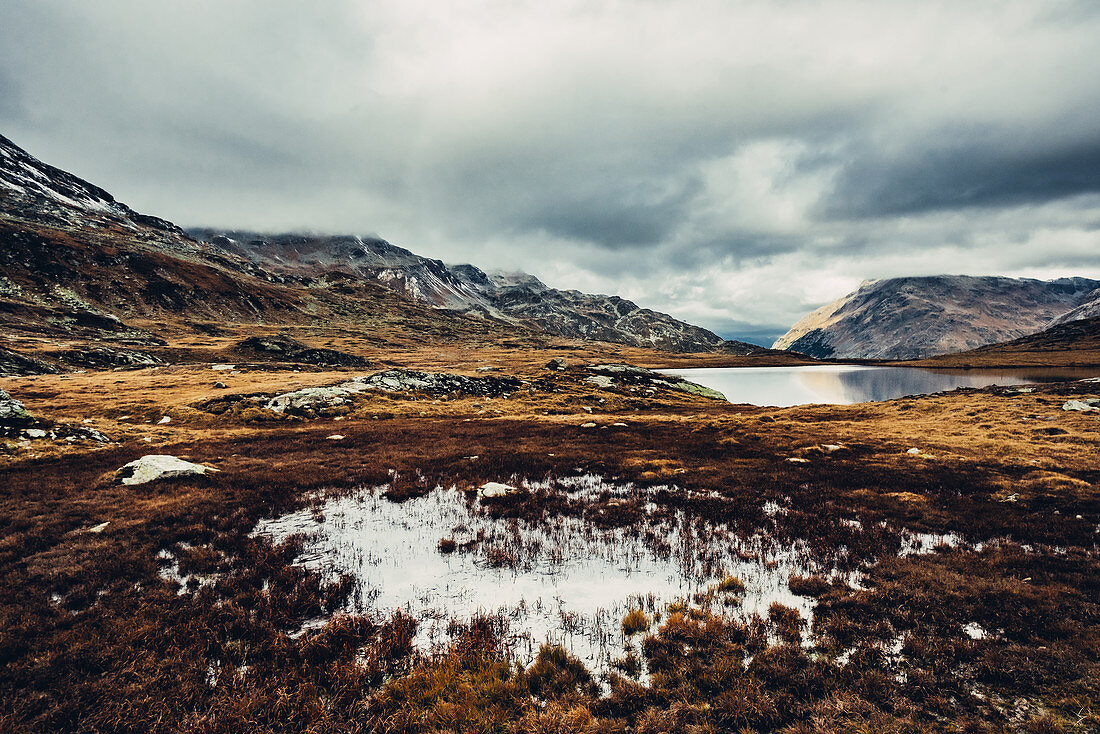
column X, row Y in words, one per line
column 952, row 588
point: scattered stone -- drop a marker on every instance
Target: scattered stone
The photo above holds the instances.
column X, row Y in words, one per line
column 619, row 425
column 831, row 447
column 335, row 437
column 220, row 386
column 798, row 460
column 152, row 467
column 34, row 433
column 494, row 489
column 223, row 367
column 164, row 420
column 1083, row 406
column 1012, row 498
column 12, row 412
column 556, row 364
column 590, row 424
column 99, row 528
column 914, row 451
column 488, row 369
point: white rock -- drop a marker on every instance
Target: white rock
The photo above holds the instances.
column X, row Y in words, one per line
column 619, row 425
column 494, row 489
column 831, row 447
column 1081, row 406
column 159, row 466
column 34, row 433
column 312, row 398
column 798, row 460
column 604, row 381
column 590, row 424
column 99, row 528
column 913, row 451
column 165, row 419
column 335, row 437
column 223, row 367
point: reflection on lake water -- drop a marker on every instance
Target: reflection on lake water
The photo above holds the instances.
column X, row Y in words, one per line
column 845, row 384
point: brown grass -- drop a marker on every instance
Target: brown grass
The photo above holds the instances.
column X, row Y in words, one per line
column 92, row 638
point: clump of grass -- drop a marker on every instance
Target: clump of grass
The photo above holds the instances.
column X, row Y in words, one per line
column 556, row 674
column 731, row 585
column 634, row 622
column 447, row 545
column 788, row 622
column 813, row 586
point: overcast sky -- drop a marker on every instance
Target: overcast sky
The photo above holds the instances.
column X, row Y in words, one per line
column 733, row 163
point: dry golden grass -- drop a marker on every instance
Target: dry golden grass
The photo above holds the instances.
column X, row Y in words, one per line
column 92, row 639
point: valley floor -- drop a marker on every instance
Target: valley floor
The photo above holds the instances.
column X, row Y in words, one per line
column 996, row 630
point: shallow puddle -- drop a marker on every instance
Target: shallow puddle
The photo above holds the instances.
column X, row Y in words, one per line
column 563, row 580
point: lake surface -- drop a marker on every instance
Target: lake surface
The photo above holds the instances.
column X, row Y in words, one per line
column 845, row 384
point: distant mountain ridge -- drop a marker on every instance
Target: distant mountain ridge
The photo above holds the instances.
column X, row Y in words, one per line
column 513, row 297
column 917, row 317
column 75, row 261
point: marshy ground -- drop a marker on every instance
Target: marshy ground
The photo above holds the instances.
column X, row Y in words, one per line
column 954, row 588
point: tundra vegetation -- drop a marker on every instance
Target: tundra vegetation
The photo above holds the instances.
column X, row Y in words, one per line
column 957, row 588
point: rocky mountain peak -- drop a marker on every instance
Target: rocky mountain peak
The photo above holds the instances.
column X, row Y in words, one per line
column 915, row 317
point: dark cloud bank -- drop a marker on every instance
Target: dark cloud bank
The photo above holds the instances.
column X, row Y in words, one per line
column 734, row 164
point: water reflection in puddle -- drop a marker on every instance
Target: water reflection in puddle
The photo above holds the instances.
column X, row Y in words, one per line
column 563, row 580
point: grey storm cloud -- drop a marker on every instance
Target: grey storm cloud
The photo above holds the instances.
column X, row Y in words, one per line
column 733, row 163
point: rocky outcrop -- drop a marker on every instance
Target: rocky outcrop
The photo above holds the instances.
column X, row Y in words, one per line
column 318, row 400
column 912, row 318
column 107, row 357
column 154, row 467
column 614, row 375
column 12, row 412
column 440, row 384
column 285, row 349
column 14, row 363
column 312, row 399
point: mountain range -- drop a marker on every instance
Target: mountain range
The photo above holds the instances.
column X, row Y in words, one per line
column 76, row 261
column 918, row 317
column 518, row 298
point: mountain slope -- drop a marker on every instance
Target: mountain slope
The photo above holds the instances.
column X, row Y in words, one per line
column 911, row 318
column 1070, row 344
column 75, row 261
column 1088, row 309
column 517, row 298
